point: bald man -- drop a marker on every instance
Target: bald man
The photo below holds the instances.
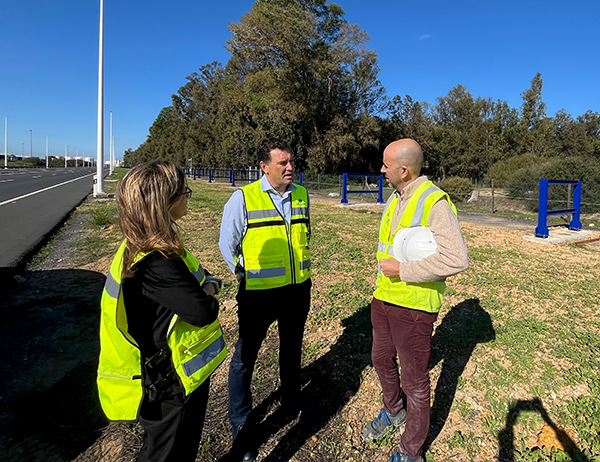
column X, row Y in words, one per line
column 408, row 297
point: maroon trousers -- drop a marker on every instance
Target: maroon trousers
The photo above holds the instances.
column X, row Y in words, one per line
column 404, row 333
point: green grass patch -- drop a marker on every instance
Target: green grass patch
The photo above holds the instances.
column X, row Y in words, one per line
column 519, row 325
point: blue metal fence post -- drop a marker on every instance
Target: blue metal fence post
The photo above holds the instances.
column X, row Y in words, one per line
column 194, row 172
column 211, row 174
column 380, row 198
column 301, row 178
column 232, row 177
column 542, row 228
column 575, row 220
column 345, row 189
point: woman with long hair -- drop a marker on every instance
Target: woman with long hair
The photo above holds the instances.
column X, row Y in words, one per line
column 160, row 335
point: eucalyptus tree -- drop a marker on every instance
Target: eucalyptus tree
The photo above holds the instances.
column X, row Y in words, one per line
column 569, row 137
column 535, row 127
column 164, row 140
column 298, row 70
column 410, row 119
column 197, row 104
column 306, row 75
column 455, row 117
column 590, row 121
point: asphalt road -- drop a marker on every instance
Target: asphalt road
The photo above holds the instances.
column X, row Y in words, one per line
column 33, row 202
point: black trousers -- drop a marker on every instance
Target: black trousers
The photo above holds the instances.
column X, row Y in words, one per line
column 173, row 426
column 257, row 310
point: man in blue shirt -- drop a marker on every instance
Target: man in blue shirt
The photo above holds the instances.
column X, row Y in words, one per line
column 264, row 239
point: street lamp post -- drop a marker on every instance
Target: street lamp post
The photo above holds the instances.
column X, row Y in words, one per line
column 112, row 164
column 99, row 189
column 6, row 142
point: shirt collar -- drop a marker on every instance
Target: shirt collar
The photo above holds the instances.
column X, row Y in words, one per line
column 411, row 188
column 266, row 186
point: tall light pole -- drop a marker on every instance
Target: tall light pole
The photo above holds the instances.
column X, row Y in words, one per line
column 99, row 189
column 46, row 152
column 6, row 142
column 112, row 163
column 30, row 143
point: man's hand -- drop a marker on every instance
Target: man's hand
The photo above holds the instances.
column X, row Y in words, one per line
column 390, row 267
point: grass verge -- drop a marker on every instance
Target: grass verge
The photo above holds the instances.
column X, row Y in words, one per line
column 514, row 358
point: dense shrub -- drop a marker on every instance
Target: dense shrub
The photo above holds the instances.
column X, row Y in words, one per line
column 457, row 188
column 502, row 171
column 524, row 185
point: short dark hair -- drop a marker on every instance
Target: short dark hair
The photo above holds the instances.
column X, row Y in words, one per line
column 264, row 148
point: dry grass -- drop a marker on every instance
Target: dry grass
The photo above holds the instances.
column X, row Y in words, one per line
column 515, row 348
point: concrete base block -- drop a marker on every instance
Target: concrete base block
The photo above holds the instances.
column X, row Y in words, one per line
column 558, row 235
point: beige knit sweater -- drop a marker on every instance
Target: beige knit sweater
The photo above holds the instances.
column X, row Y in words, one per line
column 451, row 256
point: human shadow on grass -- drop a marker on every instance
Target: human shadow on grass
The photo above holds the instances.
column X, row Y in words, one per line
column 329, row 382
column 465, row 326
column 49, row 338
column 506, row 437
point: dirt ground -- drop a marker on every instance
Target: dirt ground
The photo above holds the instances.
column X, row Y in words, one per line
column 48, row 332
column 49, row 329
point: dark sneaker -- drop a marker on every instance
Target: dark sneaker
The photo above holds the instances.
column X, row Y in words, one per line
column 377, row 428
column 399, row 457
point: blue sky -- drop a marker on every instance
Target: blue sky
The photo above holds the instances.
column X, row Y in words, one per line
column 49, row 58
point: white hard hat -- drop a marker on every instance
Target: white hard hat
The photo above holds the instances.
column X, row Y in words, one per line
column 412, row 244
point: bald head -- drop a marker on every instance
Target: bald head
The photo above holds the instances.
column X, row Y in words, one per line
column 402, row 162
column 407, row 152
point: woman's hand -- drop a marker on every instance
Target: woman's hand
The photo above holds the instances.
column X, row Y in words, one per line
column 209, row 288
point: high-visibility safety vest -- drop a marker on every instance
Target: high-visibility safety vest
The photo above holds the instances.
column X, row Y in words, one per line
column 274, row 252
column 424, row 296
column 195, row 351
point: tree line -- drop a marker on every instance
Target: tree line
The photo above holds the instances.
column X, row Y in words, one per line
column 299, row 71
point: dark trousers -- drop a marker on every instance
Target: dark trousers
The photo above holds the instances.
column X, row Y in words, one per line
column 406, row 334
column 173, row 426
column 257, row 310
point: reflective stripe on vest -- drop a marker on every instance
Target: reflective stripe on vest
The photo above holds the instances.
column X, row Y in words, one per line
column 196, row 352
column 274, row 253
column 426, row 296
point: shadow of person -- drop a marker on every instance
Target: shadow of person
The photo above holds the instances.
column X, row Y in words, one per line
column 49, row 337
column 329, row 382
column 506, row 437
column 465, row 325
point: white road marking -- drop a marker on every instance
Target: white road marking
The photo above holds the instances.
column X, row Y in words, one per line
column 42, row 190
column 39, row 176
column 6, row 181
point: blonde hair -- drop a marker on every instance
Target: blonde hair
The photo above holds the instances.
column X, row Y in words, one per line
column 145, row 197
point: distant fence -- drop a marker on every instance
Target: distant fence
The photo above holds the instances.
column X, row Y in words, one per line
column 231, row 176
column 524, row 197
column 484, row 196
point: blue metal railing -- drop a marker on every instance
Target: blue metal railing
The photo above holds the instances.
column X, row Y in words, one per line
column 544, row 213
column 345, row 190
column 230, row 175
